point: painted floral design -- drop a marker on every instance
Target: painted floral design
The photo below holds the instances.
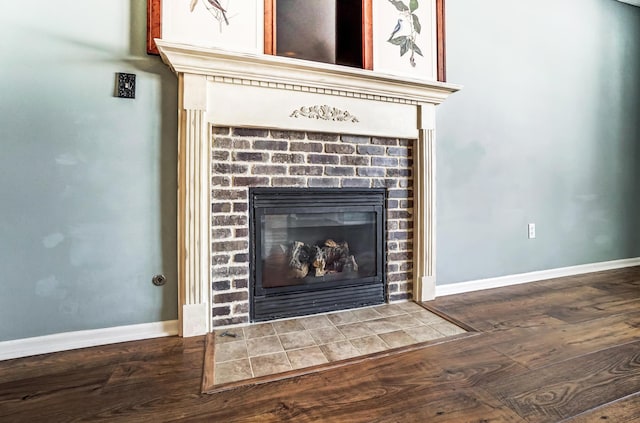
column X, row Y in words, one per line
column 407, row 20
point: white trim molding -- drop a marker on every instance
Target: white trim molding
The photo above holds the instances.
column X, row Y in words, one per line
column 85, row 338
column 520, row 278
column 284, row 73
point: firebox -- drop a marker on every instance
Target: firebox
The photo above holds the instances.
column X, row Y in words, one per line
column 315, row 250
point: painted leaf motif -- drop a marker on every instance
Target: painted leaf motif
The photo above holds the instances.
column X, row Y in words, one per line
column 413, row 5
column 399, row 5
column 193, row 4
column 415, row 48
column 398, row 41
column 416, row 23
column 404, row 48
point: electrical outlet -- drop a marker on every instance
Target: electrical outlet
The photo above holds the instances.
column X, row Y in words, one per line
column 532, row 230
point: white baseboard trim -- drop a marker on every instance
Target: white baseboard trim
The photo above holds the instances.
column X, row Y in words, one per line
column 502, row 281
column 85, row 338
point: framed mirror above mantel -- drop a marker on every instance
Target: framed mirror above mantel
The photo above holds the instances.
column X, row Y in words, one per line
column 401, row 37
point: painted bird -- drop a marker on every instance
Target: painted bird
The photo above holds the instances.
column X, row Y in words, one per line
column 216, row 4
column 396, row 29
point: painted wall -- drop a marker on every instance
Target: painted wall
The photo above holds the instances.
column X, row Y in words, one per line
column 87, row 180
column 546, row 130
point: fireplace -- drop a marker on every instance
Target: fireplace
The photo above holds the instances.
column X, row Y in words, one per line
column 281, row 110
column 315, row 250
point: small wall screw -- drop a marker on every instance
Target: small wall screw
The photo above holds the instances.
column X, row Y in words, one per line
column 159, row 280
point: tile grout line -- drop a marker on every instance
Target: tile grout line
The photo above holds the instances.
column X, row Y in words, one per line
column 283, row 349
column 253, row 374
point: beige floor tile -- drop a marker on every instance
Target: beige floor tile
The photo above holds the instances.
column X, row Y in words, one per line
column 428, row 317
column 270, row 364
column 389, row 310
column 239, row 335
column 404, row 321
column 410, row 306
column 295, row 340
column 230, row 351
column 326, row 335
column 397, row 339
column 381, row 325
column 448, row 329
column 279, row 346
column 306, row 357
column 366, row 314
column 315, row 322
column 231, row 371
column 423, row 333
column 286, row 326
column 339, row 350
column 355, row 330
column 259, row 330
column 342, row 318
column 369, row 344
column 265, row 345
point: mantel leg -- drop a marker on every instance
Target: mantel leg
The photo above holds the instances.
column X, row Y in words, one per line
column 194, row 210
column 424, row 243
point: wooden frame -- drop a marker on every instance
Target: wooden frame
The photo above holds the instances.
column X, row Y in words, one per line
column 367, row 35
column 154, row 30
column 154, row 24
column 270, row 27
column 440, row 42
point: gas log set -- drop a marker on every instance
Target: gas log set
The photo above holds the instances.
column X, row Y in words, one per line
column 331, row 257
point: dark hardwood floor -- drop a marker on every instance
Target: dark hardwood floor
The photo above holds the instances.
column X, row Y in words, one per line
column 560, row 350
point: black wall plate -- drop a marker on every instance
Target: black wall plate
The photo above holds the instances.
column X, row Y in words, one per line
column 126, row 85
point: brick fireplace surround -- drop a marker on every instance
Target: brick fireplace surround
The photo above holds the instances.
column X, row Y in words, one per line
column 263, row 121
column 243, row 158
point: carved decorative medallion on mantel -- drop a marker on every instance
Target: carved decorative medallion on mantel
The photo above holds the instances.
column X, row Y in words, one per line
column 324, row 113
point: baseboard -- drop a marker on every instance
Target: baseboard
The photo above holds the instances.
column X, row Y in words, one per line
column 477, row 285
column 85, row 338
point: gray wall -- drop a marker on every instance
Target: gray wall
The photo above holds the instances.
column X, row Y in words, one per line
column 87, row 180
column 546, row 130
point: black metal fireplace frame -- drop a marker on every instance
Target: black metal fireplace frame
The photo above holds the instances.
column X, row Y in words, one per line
column 290, row 301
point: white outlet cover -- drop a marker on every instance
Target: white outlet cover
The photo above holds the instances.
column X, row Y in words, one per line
column 531, row 228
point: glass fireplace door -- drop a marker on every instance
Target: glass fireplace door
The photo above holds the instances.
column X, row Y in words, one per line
column 314, row 250
column 322, row 247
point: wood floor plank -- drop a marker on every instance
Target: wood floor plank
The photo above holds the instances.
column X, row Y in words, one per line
column 621, row 411
column 19, row 399
column 516, row 306
column 540, row 346
column 80, row 359
column 603, row 306
column 551, row 350
column 377, row 389
column 571, row 387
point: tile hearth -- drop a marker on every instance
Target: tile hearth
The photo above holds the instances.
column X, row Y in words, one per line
column 283, row 345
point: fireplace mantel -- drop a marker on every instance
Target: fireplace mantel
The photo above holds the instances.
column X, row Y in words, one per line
column 222, row 88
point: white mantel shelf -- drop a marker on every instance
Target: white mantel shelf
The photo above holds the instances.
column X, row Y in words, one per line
column 218, row 87
column 284, row 72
